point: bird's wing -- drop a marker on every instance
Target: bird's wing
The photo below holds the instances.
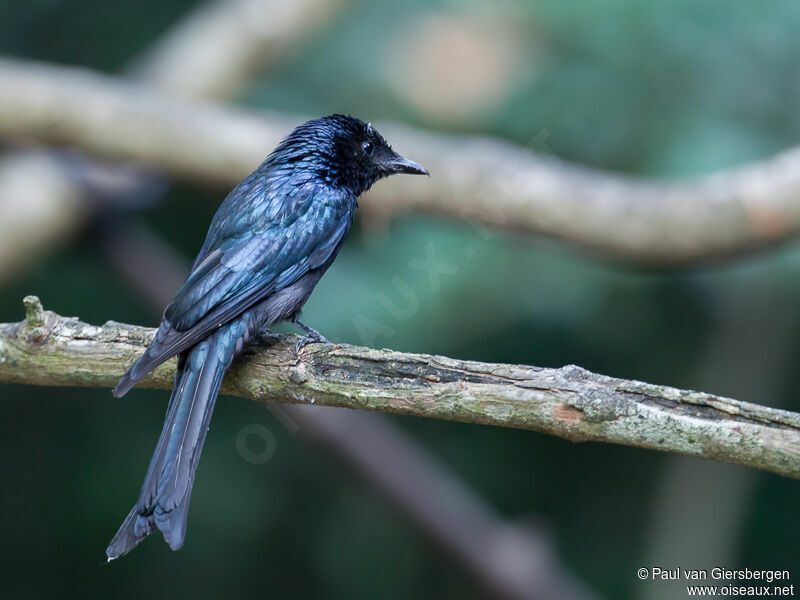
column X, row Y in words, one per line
column 246, row 269
column 240, row 272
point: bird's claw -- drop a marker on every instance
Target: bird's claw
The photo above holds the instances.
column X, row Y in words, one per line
column 310, row 338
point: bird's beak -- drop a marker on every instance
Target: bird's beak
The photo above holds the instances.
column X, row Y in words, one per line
column 399, row 164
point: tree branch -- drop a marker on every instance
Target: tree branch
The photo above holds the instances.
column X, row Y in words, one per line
column 570, row 402
column 427, row 492
column 39, row 208
column 477, row 179
column 214, row 51
column 210, row 52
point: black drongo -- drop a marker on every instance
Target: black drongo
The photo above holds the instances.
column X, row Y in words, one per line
column 271, row 240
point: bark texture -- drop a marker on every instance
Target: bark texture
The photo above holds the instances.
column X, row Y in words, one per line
column 570, row 402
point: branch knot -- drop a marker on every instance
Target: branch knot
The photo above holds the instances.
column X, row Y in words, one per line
column 35, row 327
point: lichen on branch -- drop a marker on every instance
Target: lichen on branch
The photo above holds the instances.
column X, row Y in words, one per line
column 570, row 402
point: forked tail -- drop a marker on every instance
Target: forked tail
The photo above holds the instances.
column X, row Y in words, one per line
column 164, row 500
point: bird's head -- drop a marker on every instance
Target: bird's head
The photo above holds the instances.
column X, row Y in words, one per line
column 345, row 151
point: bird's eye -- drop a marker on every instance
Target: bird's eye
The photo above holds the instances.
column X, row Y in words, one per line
column 366, row 148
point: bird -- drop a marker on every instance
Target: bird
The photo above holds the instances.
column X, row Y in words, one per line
column 268, row 245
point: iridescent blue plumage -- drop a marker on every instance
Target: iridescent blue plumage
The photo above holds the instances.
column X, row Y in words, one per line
column 271, row 240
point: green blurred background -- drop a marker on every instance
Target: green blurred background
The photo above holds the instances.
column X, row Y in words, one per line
column 652, row 88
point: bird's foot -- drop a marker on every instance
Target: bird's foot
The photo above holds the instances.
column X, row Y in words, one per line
column 312, row 336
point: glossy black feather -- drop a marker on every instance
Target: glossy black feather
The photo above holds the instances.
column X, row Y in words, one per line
column 269, row 243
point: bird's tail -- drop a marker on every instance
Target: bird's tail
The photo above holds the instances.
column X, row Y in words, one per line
column 164, row 500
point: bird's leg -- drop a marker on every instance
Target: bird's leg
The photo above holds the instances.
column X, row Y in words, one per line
column 312, row 336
